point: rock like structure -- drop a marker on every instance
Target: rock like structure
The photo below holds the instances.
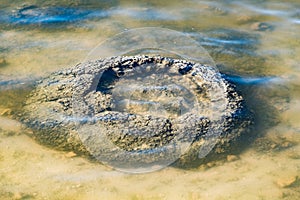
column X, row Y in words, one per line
column 137, row 104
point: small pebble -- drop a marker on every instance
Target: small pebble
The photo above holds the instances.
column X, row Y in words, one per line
column 294, row 155
column 286, row 181
column 70, row 154
column 17, row 195
column 5, row 112
column 210, row 164
column 76, row 186
column 231, row 158
column 2, row 62
column 244, row 18
column 262, row 26
column 286, row 144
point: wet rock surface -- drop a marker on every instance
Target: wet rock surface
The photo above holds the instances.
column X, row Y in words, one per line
column 138, row 104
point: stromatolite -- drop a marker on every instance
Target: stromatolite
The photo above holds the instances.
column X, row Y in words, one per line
column 139, row 104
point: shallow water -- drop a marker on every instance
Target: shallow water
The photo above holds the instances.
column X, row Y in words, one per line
column 255, row 43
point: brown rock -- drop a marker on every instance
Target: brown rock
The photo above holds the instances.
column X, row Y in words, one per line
column 5, row 112
column 2, row 62
column 286, row 144
column 287, row 181
column 20, row 196
column 262, row 26
column 231, row 158
column 294, row 155
column 211, row 164
column 17, row 196
column 273, row 146
column 244, row 18
column 70, row 154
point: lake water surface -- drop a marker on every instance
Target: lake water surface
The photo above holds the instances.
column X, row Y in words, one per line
column 255, row 43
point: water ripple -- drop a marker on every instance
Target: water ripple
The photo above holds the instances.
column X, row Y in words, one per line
column 31, row 15
column 146, row 13
column 231, row 41
column 264, row 11
column 253, row 80
column 49, row 15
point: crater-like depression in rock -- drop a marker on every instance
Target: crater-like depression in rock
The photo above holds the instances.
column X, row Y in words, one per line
column 137, row 113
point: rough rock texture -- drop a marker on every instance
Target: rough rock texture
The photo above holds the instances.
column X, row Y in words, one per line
column 138, row 103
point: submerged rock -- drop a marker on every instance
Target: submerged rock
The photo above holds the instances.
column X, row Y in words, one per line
column 154, row 107
column 262, row 26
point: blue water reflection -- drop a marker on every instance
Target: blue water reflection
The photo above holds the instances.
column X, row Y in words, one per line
column 228, row 41
column 45, row 15
column 31, row 15
column 238, row 80
column 49, row 15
